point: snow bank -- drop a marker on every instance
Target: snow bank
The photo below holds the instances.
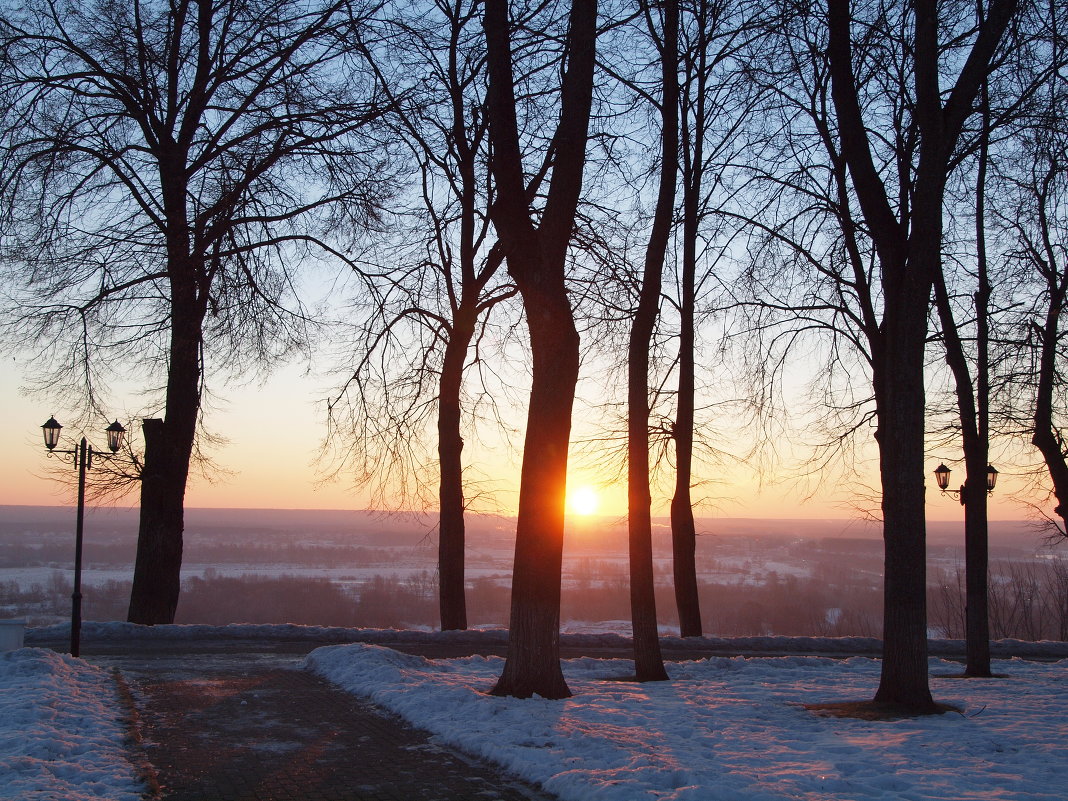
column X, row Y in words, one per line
column 61, row 735
column 730, row 728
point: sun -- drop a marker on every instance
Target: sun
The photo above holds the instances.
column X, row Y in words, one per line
column 583, row 501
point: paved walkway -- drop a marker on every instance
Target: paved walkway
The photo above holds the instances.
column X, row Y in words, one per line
column 243, row 726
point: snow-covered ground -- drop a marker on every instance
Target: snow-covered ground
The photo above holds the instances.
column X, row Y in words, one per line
column 722, row 728
column 731, row 728
column 61, row 733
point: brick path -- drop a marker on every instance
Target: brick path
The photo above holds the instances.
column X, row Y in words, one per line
column 239, row 727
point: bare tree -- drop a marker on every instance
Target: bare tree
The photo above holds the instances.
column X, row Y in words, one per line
column 973, row 408
column 1006, row 108
column 428, row 307
column 860, row 139
column 1032, row 219
column 165, row 168
column 648, row 662
column 713, row 104
column 908, row 244
column 536, row 253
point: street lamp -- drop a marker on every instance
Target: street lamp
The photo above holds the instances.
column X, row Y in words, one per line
column 942, row 472
column 82, row 458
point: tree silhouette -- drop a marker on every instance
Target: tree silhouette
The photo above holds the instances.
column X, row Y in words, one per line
column 164, row 168
column 536, row 253
column 428, row 303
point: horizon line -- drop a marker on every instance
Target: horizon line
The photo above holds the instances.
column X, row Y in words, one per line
column 409, row 512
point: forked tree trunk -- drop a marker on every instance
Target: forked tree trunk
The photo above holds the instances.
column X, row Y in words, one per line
column 909, row 253
column 537, row 259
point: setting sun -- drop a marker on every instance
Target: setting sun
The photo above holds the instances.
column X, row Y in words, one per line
column 583, row 500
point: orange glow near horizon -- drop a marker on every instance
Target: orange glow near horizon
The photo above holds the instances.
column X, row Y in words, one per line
column 274, row 433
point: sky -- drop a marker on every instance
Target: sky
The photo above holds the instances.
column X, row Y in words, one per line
column 276, row 429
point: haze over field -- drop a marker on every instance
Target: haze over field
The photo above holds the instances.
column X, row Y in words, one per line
column 349, row 568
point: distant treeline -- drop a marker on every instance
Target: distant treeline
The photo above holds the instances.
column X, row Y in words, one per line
column 61, row 550
column 1029, row 601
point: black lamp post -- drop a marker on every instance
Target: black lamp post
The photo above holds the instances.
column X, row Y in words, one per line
column 942, row 472
column 82, row 456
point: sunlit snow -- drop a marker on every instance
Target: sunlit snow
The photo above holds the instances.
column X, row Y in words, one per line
column 729, row 728
column 722, row 728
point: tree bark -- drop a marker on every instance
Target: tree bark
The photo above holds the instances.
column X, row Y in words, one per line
column 451, row 534
column 648, row 661
column 909, row 251
column 158, row 566
column 156, row 584
column 536, row 258
column 683, row 529
column 900, row 401
column 168, row 450
column 533, row 660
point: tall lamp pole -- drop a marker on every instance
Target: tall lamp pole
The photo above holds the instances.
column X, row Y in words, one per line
column 82, row 456
column 977, row 604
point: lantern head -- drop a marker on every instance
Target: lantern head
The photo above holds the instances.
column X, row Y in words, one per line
column 115, row 434
column 942, row 477
column 51, row 431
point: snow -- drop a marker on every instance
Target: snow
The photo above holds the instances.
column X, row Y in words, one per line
column 723, row 728
column 61, row 735
column 730, row 728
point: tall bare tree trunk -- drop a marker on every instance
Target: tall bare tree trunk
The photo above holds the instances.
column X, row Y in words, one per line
column 973, row 402
column 683, row 529
column 451, row 534
column 648, row 662
column 694, row 122
column 533, row 660
column 900, row 406
column 168, row 449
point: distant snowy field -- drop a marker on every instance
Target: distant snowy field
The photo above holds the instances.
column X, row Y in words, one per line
column 725, row 729
column 61, row 733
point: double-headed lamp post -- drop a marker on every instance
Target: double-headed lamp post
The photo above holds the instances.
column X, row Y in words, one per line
column 82, row 456
column 942, row 479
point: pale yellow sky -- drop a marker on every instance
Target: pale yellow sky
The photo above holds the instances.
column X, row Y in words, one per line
column 275, row 431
